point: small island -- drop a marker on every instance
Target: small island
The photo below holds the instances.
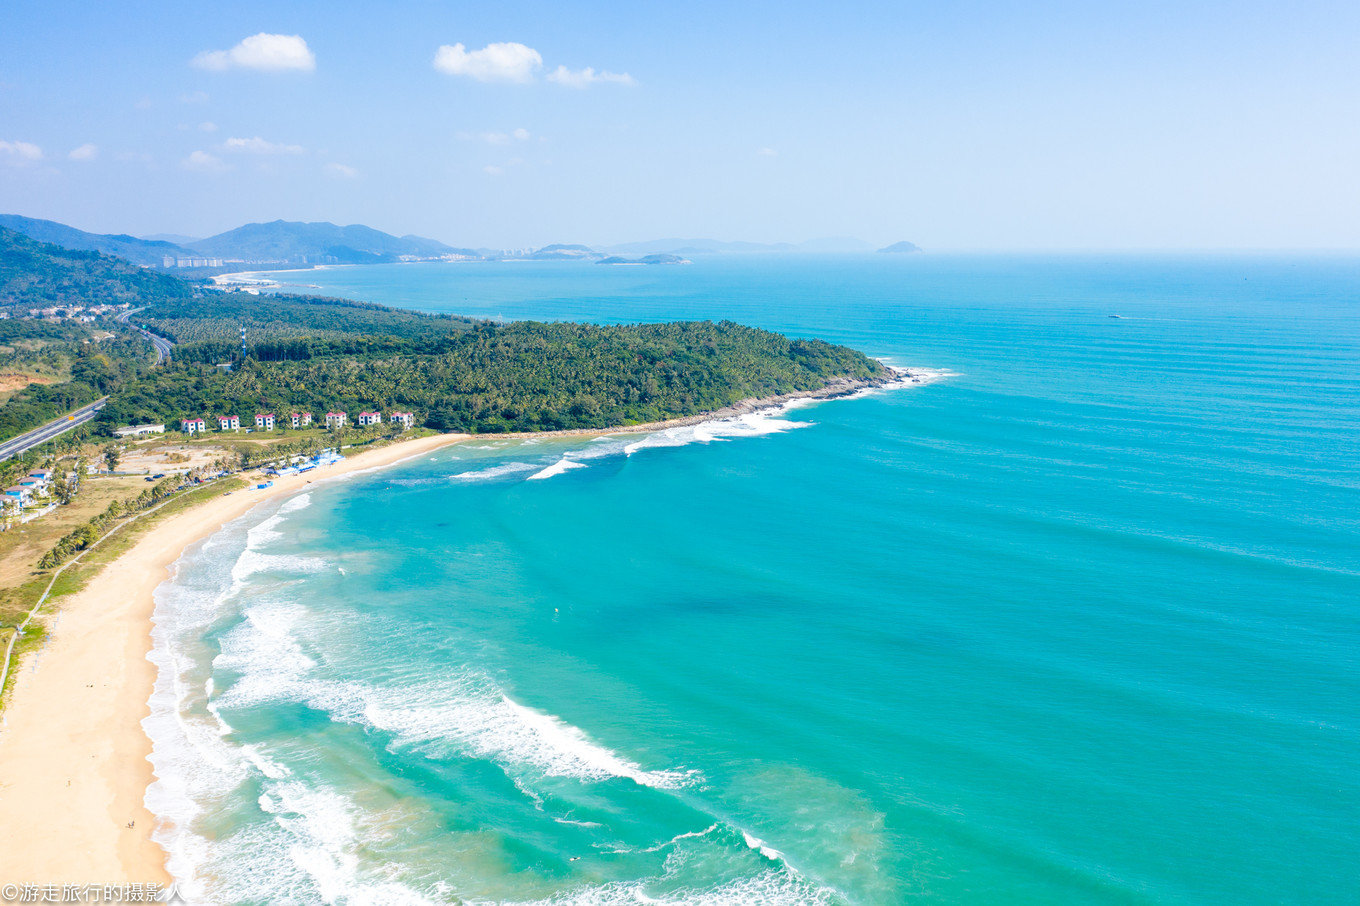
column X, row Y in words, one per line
column 900, row 248
column 645, row 259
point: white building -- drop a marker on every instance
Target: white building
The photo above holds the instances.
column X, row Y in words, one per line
column 370, row 418
column 138, row 430
column 229, row 423
column 193, row 425
column 405, row 419
column 265, row 420
column 335, row 419
column 302, row 419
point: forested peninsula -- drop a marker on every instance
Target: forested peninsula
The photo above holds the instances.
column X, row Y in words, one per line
column 455, row 374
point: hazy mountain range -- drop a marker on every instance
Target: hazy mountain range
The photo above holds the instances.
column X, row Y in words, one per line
column 288, row 242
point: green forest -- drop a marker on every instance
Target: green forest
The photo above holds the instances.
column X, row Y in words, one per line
column 523, row 376
column 321, row 354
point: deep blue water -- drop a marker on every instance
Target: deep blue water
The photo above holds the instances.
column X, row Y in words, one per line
column 1078, row 623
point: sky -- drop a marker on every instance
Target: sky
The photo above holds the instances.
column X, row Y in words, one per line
column 957, row 126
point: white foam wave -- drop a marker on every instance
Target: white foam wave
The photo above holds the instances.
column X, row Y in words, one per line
column 770, row 888
column 564, row 464
column 471, row 716
column 751, row 424
column 493, row 472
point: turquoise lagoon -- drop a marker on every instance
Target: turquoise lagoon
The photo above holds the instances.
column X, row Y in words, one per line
column 1077, row 624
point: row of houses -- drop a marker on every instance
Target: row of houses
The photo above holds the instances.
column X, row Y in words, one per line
column 268, row 421
column 86, row 313
column 22, row 492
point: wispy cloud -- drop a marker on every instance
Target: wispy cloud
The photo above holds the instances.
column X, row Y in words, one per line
column 258, row 145
column 194, row 97
column 493, row 170
column 341, row 171
column 767, row 152
column 203, row 162
column 584, row 78
column 502, row 62
column 496, row 138
column 20, row 154
column 207, row 127
column 86, row 151
column 263, row 52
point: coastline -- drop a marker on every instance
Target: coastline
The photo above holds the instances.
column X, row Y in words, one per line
column 74, row 754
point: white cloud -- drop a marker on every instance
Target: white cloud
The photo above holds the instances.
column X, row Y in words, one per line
column 495, row 138
column 20, row 153
column 263, row 52
column 86, row 151
column 204, row 162
column 258, row 145
column 341, row 171
column 584, row 78
column 194, row 97
column 767, row 152
column 492, row 170
column 207, row 127
column 502, row 62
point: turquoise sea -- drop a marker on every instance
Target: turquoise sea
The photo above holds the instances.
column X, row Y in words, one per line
column 1079, row 623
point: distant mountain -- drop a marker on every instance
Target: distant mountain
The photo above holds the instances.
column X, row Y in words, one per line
column 42, row 275
column 173, row 238
column 900, row 248
column 559, row 252
column 316, row 243
column 129, row 248
column 645, row 259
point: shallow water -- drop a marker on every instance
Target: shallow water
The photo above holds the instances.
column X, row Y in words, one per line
column 1077, row 624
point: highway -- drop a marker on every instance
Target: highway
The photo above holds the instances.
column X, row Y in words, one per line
column 163, row 346
column 50, row 430
column 79, row 417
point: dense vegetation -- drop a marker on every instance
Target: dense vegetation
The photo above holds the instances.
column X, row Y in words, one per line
column 83, row 361
column 210, row 329
column 38, row 275
column 453, row 373
column 129, row 248
column 515, row 377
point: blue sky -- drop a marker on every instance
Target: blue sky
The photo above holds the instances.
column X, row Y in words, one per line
column 958, row 126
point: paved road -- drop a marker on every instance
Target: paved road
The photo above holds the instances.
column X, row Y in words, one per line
column 162, row 345
column 80, row 416
column 50, row 430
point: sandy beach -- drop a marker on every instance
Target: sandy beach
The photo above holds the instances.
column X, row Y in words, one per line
column 74, row 763
column 73, row 756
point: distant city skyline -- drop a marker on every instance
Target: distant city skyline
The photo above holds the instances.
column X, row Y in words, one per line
column 980, row 127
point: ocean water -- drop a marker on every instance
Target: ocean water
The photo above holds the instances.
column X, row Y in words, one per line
column 1079, row 623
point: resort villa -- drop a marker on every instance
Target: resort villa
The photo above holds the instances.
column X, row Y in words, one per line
column 18, row 494
column 267, row 421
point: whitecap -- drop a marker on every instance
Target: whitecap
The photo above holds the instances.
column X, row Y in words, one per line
column 564, row 464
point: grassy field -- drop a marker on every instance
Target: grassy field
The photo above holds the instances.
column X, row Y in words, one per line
column 19, row 598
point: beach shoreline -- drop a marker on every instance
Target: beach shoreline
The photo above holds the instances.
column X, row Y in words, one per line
column 74, row 758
